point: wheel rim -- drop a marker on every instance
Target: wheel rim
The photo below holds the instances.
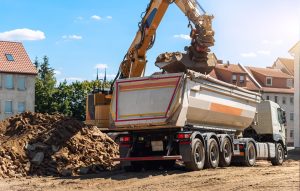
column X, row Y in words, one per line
column 199, row 153
column 214, row 154
column 280, row 153
column 251, row 154
column 227, row 150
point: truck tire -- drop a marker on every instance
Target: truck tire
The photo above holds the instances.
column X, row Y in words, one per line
column 226, row 154
column 197, row 156
column 250, row 155
column 279, row 155
column 213, row 154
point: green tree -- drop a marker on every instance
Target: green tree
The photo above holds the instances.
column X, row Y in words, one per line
column 44, row 86
column 61, row 96
column 65, row 98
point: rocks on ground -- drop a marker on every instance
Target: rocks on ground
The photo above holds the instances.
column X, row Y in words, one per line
column 54, row 145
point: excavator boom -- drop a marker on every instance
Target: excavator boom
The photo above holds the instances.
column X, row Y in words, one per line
column 134, row 62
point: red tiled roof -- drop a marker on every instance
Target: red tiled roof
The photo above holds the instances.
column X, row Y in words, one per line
column 234, row 68
column 21, row 64
column 288, row 63
column 250, row 85
column 213, row 74
column 270, row 72
column 278, row 90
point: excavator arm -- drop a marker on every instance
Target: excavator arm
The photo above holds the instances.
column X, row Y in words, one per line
column 134, row 62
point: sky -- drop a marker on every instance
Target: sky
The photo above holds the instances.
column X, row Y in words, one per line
column 79, row 36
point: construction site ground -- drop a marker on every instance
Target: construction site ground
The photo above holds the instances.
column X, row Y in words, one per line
column 263, row 176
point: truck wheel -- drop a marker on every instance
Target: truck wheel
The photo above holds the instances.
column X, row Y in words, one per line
column 197, row 156
column 279, row 155
column 226, row 154
column 213, row 154
column 250, row 155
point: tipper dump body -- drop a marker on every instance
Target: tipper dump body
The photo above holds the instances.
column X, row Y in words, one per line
column 176, row 100
column 194, row 118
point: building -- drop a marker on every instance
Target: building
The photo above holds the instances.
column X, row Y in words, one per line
column 17, row 80
column 285, row 64
column 272, row 83
column 295, row 51
column 278, row 87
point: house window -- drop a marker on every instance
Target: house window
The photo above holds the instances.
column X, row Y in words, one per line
column 234, row 78
column 292, row 116
column 292, row 100
column 8, row 107
column 292, row 133
column 242, row 79
column 21, row 107
column 269, row 81
column 284, row 100
column 276, row 99
column 21, row 83
column 9, row 57
column 290, row 83
column 9, row 81
column 268, row 98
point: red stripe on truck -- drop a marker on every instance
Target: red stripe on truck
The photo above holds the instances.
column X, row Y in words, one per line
column 149, row 118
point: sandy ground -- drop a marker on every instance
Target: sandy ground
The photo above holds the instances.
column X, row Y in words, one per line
column 263, row 176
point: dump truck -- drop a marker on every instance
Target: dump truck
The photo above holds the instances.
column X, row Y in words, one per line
column 197, row 119
column 182, row 113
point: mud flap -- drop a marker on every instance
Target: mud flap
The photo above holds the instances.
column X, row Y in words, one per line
column 124, row 152
column 185, row 151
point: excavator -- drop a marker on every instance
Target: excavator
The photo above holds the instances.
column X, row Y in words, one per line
column 134, row 63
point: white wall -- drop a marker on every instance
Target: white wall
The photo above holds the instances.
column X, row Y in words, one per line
column 297, row 98
column 15, row 95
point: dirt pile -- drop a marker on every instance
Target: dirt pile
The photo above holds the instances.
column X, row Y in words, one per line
column 42, row 144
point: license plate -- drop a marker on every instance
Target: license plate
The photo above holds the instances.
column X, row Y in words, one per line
column 157, row 145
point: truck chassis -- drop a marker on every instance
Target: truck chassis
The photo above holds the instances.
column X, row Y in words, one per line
column 198, row 148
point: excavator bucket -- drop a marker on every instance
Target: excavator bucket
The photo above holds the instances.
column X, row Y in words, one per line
column 196, row 57
column 175, row 62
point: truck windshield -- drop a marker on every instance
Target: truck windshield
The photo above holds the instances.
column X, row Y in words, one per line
column 281, row 116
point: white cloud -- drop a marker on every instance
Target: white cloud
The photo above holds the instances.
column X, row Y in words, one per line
column 182, row 36
column 101, row 66
column 109, row 17
column 96, row 17
column 57, row 72
column 72, row 37
column 272, row 42
column 22, row 35
column 264, row 52
column 249, row 55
